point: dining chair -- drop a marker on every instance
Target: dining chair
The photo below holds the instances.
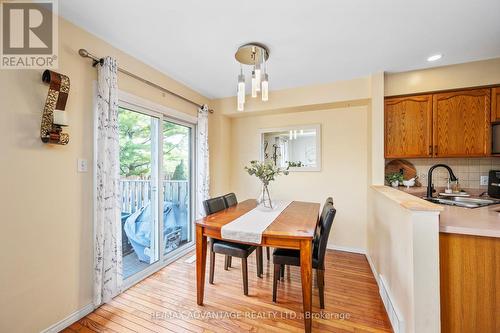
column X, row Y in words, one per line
column 282, row 257
column 230, row 249
column 231, row 200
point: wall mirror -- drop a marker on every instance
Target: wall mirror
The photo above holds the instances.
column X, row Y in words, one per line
column 297, row 147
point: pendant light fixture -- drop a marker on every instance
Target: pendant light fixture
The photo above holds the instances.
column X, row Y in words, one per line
column 265, row 88
column 258, row 75
column 254, row 55
column 254, row 84
column 241, row 90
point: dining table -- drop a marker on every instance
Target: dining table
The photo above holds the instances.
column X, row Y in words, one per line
column 293, row 228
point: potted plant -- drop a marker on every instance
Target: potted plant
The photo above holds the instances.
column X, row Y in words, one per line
column 266, row 172
column 394, row 179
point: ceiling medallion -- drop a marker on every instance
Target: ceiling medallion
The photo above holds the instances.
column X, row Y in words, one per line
column 254, row 55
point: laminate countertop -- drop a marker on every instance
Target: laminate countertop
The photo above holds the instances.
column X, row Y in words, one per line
column 483, row 221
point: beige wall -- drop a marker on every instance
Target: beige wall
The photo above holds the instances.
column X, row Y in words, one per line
column 317, row 97
column 472, row 74
column 404, row 251
column 342, row 110
column 219, row 147
column 376, row 130
column 343, row 172
column 46, row 236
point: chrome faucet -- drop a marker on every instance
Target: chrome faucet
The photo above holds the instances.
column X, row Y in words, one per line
column 430, row 187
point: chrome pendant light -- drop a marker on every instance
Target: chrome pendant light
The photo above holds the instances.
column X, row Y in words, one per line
column 254, row 55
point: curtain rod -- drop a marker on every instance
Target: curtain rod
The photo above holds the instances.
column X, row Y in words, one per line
column 96, row 60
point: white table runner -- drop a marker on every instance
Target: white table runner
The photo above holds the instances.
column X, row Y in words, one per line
column 249, row 227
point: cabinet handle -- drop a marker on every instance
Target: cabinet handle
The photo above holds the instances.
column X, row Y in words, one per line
column 435, row 150
column 430, row 150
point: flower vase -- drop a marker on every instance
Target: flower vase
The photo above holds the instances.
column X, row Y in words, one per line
column 265, row 198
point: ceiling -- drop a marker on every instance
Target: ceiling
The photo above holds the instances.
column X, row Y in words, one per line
column 310, row 42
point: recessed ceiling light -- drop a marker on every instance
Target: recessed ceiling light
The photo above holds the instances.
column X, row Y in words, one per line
column 435, row 57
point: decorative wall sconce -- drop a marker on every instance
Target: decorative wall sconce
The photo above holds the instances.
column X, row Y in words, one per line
column 54, row 117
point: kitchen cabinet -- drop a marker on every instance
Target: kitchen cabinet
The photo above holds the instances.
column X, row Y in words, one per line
column 408, row 126
column 495, row 104
column 448, row 124
column 469, row 283
column 462, row 123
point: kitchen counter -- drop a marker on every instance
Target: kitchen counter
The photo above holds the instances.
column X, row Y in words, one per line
column 483, row 221
column 407, row 201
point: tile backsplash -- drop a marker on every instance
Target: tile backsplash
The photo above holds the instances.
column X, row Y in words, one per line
column 467, row 170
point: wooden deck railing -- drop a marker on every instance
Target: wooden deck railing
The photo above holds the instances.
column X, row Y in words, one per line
column 137, row 193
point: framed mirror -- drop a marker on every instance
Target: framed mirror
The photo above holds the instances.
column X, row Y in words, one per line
column 296, row 147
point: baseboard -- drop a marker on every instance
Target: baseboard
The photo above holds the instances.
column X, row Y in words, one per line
column 75, row 316
column 346, row 249
column 372, row 267
column 395, row 317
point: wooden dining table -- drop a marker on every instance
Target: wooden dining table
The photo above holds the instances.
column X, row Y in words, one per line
column 293, row 229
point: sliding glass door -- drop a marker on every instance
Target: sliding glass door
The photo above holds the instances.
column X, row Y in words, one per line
column 138, row 135
column 177, row 170
column 156, row 166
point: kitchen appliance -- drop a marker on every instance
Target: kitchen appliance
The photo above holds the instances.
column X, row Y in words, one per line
column 494, row 183
column 495, row 139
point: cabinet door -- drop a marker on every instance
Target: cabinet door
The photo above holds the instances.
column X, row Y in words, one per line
column 408, row 126
column 495, row 104
column 462, row 123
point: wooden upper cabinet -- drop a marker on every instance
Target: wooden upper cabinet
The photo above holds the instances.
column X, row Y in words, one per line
column 408, row 126
column 461, row 123
column 495, row 104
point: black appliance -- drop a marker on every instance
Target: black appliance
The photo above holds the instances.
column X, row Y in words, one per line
column 495, row 139
column 494, row 184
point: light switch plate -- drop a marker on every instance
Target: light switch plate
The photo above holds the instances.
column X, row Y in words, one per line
column 484, row 180
column 82, row 165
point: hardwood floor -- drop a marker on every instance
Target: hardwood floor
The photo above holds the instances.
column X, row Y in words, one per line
column 166, row 301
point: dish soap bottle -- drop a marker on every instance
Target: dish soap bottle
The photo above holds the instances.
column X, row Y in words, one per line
column 448, row 189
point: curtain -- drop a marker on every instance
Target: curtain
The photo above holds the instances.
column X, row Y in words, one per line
column 108, row 278
column 202, row 158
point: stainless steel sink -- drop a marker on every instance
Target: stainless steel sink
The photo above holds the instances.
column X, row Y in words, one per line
column 463, row 202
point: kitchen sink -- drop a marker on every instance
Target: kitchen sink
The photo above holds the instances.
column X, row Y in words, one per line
column 464, row 202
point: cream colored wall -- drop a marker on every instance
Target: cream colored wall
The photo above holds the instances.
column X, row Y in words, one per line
column 404, row 251
column 46, row 236
column 471, row 74
column 343, row 172
column 319, row 97
column 219, row 149
column 342, row 110
column 376, row 127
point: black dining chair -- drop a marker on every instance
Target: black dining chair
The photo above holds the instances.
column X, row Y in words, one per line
column 282, row 257
column 230, row 249
column 231, row 200
column 214, row 205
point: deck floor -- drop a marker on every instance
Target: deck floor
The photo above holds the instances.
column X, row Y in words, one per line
column 132, row 265
column 166, row 301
